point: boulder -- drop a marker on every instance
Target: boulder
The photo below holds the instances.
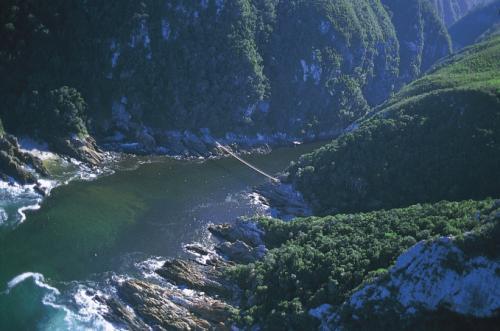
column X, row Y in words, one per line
column 243, row 230
column 188, row 273
column 240, row 252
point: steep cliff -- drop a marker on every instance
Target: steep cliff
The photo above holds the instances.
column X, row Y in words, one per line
column 422, row 36
column 138, row 71
column 451, row 11
column 447, row 283
column 480, row 21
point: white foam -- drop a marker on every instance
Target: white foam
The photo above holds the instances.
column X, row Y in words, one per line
column 21, row 211
column 37, row 278
column 37, row 149
column 148, row 267
column 90, row 311
column 3, row 216
column 47, row 185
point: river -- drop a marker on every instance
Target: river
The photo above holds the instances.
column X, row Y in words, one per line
column 118, row 225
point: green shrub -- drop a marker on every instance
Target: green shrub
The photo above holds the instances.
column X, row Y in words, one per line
column 322, row 260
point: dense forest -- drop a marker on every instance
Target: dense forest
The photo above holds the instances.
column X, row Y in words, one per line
column 436, row 139
column 405, row 227
column 314, row 261
column 236, row 66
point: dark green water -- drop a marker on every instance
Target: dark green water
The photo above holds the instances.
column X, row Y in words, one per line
column 86, row 229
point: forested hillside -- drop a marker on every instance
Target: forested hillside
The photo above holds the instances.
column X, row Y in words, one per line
column 136, row 69
column 320, row 262
column 394, row 224
column 436, row 139
column 422, row 36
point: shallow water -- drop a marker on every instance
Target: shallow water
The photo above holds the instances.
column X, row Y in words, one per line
column 86, row 231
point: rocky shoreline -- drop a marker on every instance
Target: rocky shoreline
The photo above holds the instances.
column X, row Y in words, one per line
column 283, row 201
column 188, row 144
column 195, row 293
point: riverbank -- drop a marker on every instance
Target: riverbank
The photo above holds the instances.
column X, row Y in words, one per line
column 43, row 171
column 89, row 234
column 54, row 169
column 189, row 144
column 190, row 293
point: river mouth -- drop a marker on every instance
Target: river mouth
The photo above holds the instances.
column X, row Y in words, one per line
column 149, row 207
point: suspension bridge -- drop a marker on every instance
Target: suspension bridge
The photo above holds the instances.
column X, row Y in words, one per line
column 262, row 172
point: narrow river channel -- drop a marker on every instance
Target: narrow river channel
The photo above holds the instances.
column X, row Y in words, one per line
column 88, row 231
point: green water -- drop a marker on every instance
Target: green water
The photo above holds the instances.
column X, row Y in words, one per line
column 89, row 228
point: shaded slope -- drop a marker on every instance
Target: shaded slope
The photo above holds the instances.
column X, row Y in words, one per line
column 437, row 139
column 469, row 28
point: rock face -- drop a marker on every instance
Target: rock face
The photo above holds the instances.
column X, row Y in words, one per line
column 429, row 276
column 422, row 36
column 241, row 252
column 451, row 11
column 284, row 201
column 83, row 149
column 243, row 230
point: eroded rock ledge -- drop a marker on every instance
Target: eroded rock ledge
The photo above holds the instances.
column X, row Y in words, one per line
column 195, row 294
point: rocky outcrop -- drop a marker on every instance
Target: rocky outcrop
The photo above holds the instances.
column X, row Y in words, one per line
column 16, row 164
column 240, row 252
column 242, row 230
column 198, row 296
column 429, row 276
column 285, row 202
column 84, row 149
column 205, row 278
column 164, row 308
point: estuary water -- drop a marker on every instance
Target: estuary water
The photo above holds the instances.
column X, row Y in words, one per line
column 121, row 224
